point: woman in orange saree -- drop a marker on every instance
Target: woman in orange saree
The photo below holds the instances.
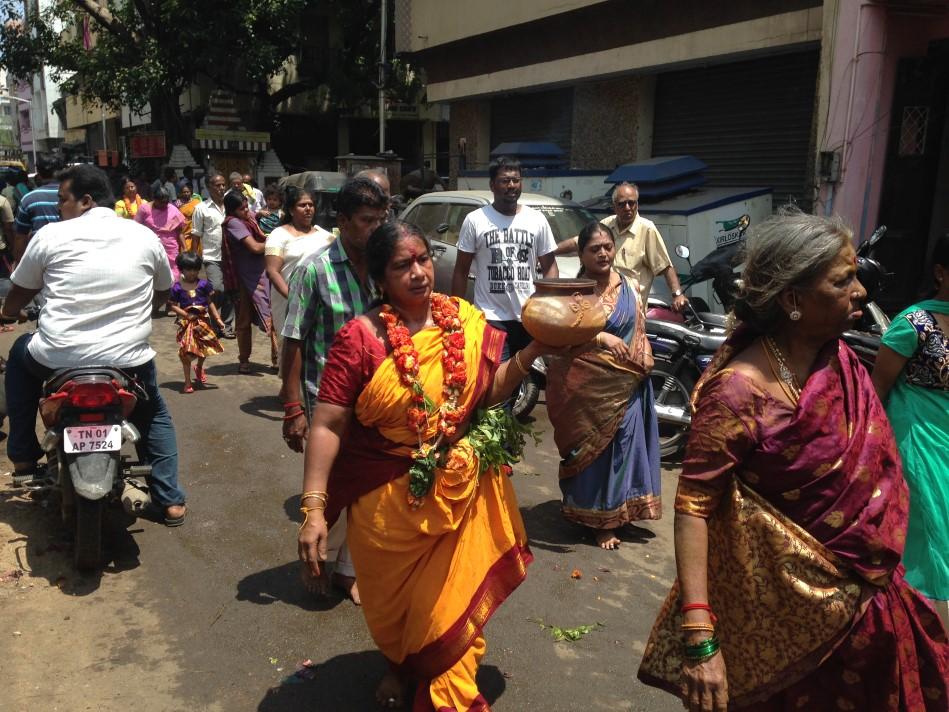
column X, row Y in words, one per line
column 186, row 203
column 433, row 525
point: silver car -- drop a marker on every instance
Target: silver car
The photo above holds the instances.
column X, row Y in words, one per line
column 441, row 215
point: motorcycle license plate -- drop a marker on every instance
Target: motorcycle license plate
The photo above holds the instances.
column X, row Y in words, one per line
column 92, row 438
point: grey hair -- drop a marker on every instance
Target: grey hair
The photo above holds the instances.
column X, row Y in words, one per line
column 235, row 174
column 625, row 184
column 789, row 249
column 161, row 194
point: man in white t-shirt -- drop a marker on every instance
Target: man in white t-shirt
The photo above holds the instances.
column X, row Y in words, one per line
column 99, row 276
column 207, row 225
column 504, row 241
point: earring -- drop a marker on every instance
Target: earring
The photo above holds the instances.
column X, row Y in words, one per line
column 795, row 314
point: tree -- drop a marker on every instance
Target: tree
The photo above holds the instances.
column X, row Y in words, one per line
column 140, row 52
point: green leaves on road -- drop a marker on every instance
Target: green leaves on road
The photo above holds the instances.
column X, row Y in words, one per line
column 568, row 635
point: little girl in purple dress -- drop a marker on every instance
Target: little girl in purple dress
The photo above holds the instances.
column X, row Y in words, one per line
column 191, row 300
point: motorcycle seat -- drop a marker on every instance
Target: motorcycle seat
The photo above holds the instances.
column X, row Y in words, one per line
column 712, row 319
column 63, row 375
column 679, row 332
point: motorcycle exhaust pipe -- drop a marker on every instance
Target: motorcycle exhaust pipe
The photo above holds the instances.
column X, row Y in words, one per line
column 135, row 497
column 673, row 414
column 50, row 441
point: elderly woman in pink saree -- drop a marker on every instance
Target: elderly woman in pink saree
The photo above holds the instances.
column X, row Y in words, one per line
column 791, row 512
column 166, row 221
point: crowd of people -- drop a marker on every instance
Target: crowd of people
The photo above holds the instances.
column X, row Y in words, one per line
column 810, row 523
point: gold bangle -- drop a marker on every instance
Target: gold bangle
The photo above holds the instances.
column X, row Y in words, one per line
column 697, row 626
column 306, row 513
column 314, row 493
column 520, row 366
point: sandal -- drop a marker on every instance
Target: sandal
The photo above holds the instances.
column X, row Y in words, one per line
column 175, row 521
column 200, row 376
column 244, row 368
column 188, row 389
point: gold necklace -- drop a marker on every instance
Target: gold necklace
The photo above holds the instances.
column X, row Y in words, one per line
column 782, row 372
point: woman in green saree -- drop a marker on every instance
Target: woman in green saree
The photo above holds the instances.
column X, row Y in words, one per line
column 911, row 376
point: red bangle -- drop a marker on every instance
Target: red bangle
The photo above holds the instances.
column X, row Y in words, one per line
column 699, row 607
column 291, row 404
column 293, row 416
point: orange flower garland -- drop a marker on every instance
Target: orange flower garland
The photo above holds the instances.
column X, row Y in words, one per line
column 454, row 378
column 128, row 205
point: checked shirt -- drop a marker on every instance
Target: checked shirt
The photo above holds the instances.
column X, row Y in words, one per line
column 324, row 293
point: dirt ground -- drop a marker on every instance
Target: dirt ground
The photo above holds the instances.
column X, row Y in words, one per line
column 211, row 616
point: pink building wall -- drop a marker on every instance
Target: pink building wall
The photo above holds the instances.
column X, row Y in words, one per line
column 869, row 42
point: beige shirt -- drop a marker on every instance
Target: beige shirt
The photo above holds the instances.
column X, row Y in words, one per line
column 6, row 212
column 640, row 251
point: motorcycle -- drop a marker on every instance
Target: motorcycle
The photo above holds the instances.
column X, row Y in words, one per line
column 528, row 392
column 682, row 351
column 684, row 345
column 85, row 411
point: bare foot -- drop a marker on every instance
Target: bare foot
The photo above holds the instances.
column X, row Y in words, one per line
column 606, row 538
column 391, row 691
column 317, row 585
column 348, row 586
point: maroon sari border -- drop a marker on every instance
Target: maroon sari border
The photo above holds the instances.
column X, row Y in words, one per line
column 480, row 705
column 637, row 509
column 423, row 703
column 504, row 576
column 492, row 346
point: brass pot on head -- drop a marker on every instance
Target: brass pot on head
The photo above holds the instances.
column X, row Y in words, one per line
column 564, row 312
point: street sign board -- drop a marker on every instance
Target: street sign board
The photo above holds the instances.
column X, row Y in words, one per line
column 147, row 145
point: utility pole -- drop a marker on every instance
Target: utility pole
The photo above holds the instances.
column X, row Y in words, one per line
column 383, row 26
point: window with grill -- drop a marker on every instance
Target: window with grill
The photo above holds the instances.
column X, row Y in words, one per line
column 913, row 130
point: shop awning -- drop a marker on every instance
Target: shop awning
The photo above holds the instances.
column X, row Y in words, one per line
column 223, row 140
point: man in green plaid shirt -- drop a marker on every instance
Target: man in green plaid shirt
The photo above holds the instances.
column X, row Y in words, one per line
column 327, row 289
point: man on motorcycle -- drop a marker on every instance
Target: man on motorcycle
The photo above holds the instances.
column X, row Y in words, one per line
column 99, row 276
column 640, row 251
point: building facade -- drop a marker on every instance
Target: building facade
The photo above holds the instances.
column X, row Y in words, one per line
column 838, row 106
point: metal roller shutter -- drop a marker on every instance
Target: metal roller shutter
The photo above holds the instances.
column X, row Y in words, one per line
column 538, row 116
column 750, row 121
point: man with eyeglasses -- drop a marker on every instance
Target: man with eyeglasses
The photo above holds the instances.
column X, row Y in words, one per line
column 640, row 251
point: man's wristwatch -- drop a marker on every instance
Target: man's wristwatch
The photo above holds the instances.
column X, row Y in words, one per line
column 677, row 293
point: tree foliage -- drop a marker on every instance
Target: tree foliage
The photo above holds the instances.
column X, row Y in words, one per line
column 149, row 51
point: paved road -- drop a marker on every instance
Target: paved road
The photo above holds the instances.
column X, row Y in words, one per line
column 211, row 616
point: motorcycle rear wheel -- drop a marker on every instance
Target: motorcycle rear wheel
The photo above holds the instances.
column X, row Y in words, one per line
column 88, row 533
column 671, row 391
column 526, row 397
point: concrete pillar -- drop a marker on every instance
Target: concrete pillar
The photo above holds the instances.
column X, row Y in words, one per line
column 469, row 132
column 645, row 111
column 612, row 122
column 342, row 137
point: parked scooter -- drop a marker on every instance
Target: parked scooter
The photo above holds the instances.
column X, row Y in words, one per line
column 528, row 392
column 683, row 345
column 85, row 411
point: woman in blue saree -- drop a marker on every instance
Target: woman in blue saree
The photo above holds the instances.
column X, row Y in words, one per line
column 601, row 406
